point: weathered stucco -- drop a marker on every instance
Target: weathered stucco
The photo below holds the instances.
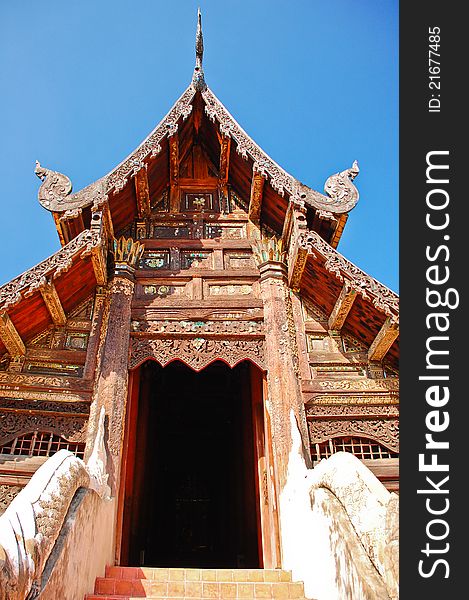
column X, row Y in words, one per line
column 338, row 528
column 83, row 549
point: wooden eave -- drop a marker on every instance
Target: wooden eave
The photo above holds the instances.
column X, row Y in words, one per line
column 70, row 270
column 198, row 117
column 322, row 282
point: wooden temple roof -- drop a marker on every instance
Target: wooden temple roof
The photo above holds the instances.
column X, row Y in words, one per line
column 199, row 124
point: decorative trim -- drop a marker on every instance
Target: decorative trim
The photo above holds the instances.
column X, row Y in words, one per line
column 385, row 431
column 369, row 288
column 347, row 411
column 15, row 424
column 196, row 328
column 30, row 281
column 127, row 251
column 197, row 352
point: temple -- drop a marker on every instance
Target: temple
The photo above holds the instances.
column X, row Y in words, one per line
column 199, row 392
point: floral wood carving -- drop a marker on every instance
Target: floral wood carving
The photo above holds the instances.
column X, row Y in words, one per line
column 199, row 327
column 381, row 296
column 360, row 384
column 30, row 281
column 385, row 431
column 13, row 425
column 197, row 352
column 320, row 411
column 82, row 408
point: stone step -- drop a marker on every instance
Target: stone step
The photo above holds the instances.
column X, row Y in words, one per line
column 129, row 583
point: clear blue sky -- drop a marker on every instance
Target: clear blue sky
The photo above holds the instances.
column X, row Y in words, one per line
column 315, row 84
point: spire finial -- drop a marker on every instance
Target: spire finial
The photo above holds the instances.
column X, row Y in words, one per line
column 198, row 77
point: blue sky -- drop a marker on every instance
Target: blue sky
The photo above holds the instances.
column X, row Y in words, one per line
column 314, row 83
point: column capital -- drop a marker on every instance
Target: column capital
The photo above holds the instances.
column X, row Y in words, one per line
column 127, row 253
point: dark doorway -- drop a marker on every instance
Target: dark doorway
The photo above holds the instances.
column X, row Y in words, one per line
column 193, row 499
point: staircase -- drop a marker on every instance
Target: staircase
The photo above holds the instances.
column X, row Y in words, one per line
column 127, row 583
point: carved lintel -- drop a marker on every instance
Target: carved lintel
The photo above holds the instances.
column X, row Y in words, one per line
column 53, row 303
column 342, row 307
column 143, row 193
column 174, row 172
column 10, row 336
column 255, row 202
column 384, row 340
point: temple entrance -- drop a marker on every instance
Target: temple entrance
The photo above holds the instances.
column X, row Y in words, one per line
column 192, row 487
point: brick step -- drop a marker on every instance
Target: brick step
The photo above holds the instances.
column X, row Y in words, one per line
column 129, row 583
column 179, row 574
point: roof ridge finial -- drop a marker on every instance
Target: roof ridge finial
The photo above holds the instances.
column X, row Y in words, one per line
column 198, row 78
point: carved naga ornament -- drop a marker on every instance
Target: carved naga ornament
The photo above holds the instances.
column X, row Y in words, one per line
column 340, row 187
column 55, row 187
column 55, row 193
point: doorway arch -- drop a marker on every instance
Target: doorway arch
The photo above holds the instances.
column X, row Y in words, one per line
column 193, row 489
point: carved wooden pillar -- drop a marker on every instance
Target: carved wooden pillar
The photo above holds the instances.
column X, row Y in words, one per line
column 112, row 382
column 284, row 392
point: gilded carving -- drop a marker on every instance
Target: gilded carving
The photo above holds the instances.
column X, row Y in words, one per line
column 349, row 399
column 127, row 251
column 32, row 380
column 320, row 411
column 266, row 249
column 360, row 384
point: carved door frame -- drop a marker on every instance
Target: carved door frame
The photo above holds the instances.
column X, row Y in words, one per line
column 265, row 484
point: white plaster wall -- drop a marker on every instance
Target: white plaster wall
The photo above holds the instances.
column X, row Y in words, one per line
column 83, row 549
column 319, row 543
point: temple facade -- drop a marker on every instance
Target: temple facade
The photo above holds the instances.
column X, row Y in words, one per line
column 199, row 393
